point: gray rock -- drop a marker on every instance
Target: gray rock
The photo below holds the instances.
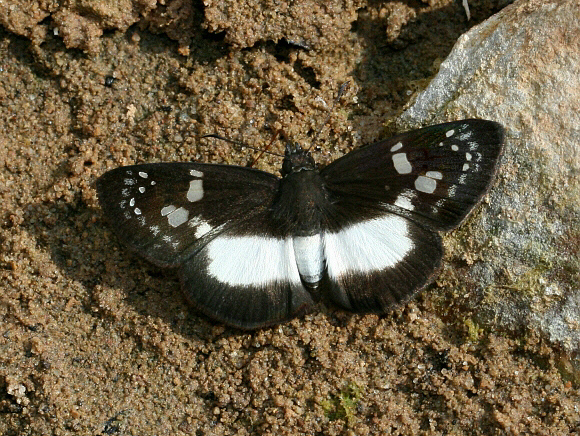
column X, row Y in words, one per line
column 521, row 67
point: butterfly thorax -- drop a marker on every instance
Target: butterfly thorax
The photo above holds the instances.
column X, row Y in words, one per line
column 301, row 201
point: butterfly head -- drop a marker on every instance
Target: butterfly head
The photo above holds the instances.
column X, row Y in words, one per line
column 297, row 159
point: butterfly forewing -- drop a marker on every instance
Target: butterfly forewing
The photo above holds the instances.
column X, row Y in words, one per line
column 434, row 175
column 168, row 211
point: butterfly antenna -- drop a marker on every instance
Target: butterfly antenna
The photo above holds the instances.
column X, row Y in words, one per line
column 266, row 150
column 341, row 91
column 241, row 144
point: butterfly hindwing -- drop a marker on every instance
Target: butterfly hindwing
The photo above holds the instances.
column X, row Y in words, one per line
column 379, row 261
column 435, row 175
column 246, row 279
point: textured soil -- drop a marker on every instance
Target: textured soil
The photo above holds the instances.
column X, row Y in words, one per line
column 95, row 340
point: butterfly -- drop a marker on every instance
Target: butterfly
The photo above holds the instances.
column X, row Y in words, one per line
column 253, row 249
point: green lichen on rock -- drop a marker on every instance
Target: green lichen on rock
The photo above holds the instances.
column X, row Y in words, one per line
column 473, row 330
column 343, row 405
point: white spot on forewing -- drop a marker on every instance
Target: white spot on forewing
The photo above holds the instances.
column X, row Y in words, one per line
column 141, row 189
column 397, row 146
column 309, row 257
column 434, row 175
column 253, row 261
column 454, row 147
column 195, row 191
column 450, row 133
column 468, row 157
column 404, row 202
column 129, row 182
column 367, row 246
column 132, row 202
column 196, row 173
column 405, row 199
column 465, row 167
column 125, row 192
column 465, row 136
column 178, row 217
column 401, row 163
column 201, row 226
column 137, row 211
column 167, row 210
column 155, row 230
column 143, row 174
column 425, row 184
column 202, row 230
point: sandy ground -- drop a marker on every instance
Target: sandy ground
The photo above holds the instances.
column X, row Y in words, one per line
column 94, row 340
